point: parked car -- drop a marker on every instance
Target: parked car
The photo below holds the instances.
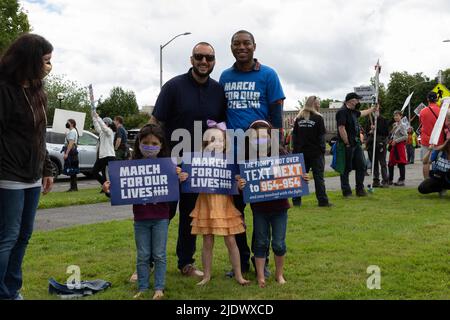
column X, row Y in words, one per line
column 132, row 135
column 87, row 151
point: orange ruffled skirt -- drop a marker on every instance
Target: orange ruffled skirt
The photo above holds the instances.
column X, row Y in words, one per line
column 215, row 214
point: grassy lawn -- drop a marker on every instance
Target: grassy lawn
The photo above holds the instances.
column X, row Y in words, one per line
column 67, row 199
column 407, row 235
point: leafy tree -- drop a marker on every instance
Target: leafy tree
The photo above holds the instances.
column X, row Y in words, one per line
column 401, row 85
column 75, row 97
column 13, row 22
column 119, row 103
column 136, row 121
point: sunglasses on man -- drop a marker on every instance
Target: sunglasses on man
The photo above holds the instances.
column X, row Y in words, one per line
column 200, row 57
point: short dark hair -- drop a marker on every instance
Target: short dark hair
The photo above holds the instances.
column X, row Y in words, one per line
column 22, row 61
column 398, row 112
column 243, row 32
column 119, row 119
column 203, row 44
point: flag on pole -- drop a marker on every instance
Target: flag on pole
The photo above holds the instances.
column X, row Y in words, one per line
column 377, row 80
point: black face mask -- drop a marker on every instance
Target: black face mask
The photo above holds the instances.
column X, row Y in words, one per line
column 67, row 126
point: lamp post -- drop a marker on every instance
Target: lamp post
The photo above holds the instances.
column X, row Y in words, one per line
column 61, row 97
column 161, row 56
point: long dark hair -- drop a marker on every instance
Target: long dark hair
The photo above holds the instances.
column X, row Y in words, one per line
column 22, row 62
column 151, row 130
column 74, row 125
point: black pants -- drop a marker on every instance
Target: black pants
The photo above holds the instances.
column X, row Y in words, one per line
column 241, row 239
column 355, row 160
column 316, row 163
column 100, row 166
column 380, row 161
column 186, row 244
column 73, row 183
column 432, row 185
column 402, row 169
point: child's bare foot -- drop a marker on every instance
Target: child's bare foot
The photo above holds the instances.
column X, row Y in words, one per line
column 262, row 283
column 159, row 295
column 139, row 295
column 204, row 282
column 243, row 282
column 281, row 280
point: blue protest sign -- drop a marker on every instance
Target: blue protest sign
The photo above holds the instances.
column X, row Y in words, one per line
column 274, row 178
column 209, row 174
column 143, row 181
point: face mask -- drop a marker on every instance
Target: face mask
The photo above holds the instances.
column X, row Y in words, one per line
column 259, row 142
column 150, row 152
column 67, row 126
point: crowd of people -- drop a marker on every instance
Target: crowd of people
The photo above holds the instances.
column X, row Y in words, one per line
column 248, row 95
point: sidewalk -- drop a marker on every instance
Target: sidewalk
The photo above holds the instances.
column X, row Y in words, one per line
column 52, row 219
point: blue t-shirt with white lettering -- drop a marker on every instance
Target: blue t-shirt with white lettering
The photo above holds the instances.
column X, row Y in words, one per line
column 249, row 95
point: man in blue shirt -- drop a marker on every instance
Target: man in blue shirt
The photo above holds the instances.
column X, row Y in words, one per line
column 253, row 92
column 184, row 100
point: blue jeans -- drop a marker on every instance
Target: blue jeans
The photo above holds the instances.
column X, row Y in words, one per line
column 151, row 243
column 262, row 222
column 17, row 213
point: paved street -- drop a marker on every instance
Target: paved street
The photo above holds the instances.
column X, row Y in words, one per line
column 52, row 219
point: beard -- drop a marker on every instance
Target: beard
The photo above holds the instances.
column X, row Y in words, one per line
column 202, row 74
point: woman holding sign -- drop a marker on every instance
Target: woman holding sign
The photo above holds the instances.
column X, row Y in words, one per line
column 25, row 167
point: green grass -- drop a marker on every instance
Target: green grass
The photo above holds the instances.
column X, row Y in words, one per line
column 67, row 199
column 405, row 234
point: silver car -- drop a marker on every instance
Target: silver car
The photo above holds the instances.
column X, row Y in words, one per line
column 87, row 151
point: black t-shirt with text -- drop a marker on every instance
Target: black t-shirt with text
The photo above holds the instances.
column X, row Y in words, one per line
column 309, row 135
column 349, row 118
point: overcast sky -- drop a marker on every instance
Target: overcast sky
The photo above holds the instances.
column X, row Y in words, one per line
column 318, row 47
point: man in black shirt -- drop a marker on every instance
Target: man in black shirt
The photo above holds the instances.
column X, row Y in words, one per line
column 349, row 134
column 380, row 151
column 184, row 100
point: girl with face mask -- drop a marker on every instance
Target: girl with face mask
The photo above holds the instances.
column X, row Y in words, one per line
column 269, row 218
column 151, row 221
column 215, row 214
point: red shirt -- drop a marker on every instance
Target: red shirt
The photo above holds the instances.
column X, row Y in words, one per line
column 428, row 120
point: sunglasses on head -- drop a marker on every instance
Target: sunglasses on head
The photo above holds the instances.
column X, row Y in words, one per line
column 209, row 58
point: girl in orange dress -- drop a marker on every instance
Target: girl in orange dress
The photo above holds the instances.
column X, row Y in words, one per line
column 216, row 215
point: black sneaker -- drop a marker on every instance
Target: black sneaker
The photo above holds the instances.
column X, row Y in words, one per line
column 376, row 184
column 361, row 193
column 326, row 205
column 347, row 195
column 400, row 183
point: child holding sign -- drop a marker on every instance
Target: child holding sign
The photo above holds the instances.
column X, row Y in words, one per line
column 215, row 214
column 151, row 221
column 267, row 215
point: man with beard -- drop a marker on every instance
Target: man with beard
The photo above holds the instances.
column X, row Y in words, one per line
column 253, row 92
column 350, row 143
column 184, row 100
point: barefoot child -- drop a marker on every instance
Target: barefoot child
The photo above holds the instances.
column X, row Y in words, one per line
column 216, row 215
column 151, row 221
column 267, row 215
